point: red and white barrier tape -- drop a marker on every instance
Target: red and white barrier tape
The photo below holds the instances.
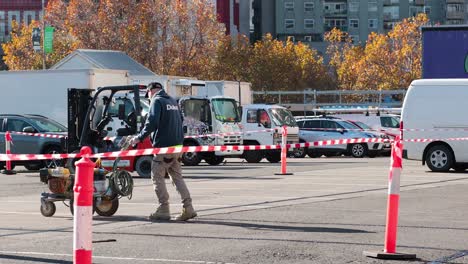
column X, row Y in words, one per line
column 230, row 133
column 153, row 151
column 40, row 135
column 390, row 129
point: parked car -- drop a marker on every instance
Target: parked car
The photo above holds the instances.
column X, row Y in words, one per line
column 387, row 123
column 387, row 146
column 317, row 129
column 26, row 144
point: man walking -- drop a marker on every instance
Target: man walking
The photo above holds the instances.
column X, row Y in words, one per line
column 165, row 122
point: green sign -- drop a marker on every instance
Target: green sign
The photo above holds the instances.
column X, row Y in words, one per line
column 48, row 39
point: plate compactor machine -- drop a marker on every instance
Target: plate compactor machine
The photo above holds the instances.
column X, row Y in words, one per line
column 88, row 114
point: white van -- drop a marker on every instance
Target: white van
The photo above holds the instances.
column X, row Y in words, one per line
column 433, row 104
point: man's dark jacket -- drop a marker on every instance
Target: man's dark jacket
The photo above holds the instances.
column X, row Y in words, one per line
column 165, row 120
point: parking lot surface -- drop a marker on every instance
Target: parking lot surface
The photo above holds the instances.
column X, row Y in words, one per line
column 329, row 211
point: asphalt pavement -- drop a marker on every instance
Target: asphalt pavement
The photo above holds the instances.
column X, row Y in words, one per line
column 329, row 211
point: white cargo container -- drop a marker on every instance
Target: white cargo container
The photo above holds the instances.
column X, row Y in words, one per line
column 44, row 92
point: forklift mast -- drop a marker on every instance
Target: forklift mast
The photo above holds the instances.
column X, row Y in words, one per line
column 83, row 115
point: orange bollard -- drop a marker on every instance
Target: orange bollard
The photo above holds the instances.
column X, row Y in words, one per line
column 284, row 151
column 83, row 208
column 8, row 140
column 391, row 227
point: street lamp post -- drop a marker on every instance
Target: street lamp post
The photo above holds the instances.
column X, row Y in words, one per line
column 43, row 38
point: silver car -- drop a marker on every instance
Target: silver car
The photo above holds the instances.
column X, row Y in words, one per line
column 318, row 129
column 26, row 144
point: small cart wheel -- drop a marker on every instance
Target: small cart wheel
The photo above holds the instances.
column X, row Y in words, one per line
column 48, row 208
column 107, row 207
column 72, row 209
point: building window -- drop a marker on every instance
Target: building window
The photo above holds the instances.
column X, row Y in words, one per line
column 427, row 10
column 354, row 23
column 335, row 23
column 307, row 38
column 354, row 7
column 414, row 11
column 308, row 6
column 372, row 6
column 289, row 23
column 373, row 23
column 454, row 7
column 354, row 38
column 309, row 23
column 289, row 6
column 335, row 8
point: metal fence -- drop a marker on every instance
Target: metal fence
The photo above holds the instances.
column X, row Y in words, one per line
column 309, row 99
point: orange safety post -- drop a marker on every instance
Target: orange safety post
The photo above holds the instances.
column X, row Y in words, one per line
column 83, row 208
column 284, row 151
column 8, row 141
column 391, row 227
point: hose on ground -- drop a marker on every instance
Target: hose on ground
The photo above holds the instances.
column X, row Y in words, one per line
column 121, row 183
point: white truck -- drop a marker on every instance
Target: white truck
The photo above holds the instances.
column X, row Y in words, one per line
column 204, row 113
column 270, row 119
column 45, row 92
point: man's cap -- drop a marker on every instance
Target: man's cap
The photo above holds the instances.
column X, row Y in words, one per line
column 153, row 85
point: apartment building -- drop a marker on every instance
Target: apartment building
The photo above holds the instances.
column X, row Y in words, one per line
column 308, row 20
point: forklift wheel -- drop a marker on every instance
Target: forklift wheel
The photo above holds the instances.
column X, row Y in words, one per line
column 48, row 208
column 143, row 166
column 107, row 207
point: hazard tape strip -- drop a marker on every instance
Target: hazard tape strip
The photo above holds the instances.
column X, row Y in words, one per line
column 154, row 151
column 40, row 135
column 390, row 129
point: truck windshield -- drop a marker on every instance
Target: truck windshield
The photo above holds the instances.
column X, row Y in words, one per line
column 225, row 110
column 282, row 117
column 47, row 125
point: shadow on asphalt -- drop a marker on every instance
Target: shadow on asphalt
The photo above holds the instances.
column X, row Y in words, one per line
column 201, row 176
column 33, row 259
column 308, row 229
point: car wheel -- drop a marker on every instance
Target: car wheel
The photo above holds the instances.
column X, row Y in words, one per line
column 358, row 150
column 53, row 163
column 191, row 158
column 253, row 156
column 439, row 158
column 299, row 153
column 143, row 166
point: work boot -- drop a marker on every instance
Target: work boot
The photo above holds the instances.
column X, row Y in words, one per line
column 187, row 213
column 162, row 213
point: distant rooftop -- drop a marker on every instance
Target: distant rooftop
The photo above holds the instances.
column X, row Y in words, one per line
column 102, row 59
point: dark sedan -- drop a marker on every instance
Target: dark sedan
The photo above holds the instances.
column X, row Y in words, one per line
column 27, row 144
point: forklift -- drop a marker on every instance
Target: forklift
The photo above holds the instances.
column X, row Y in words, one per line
column 89, row 112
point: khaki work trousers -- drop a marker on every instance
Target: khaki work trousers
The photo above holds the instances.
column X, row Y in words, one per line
column 169, row 163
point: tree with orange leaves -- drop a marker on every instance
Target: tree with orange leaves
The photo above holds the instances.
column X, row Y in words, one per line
column 169, row 37
column 388, row 61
